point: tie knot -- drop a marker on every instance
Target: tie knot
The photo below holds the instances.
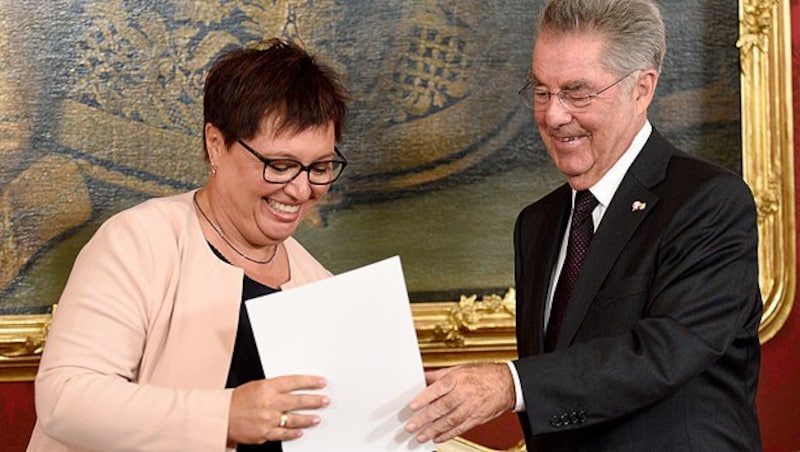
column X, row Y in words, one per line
column 585, row 203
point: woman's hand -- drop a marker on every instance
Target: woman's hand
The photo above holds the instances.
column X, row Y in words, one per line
column 258, row 408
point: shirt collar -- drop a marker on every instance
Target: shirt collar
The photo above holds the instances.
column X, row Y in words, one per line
column 605, row 188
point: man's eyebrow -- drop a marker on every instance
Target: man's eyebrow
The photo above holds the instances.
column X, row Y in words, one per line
column 569, row 86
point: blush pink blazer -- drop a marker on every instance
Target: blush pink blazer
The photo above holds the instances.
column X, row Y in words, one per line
column 138, row 352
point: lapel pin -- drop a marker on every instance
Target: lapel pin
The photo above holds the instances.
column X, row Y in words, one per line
column 638, row 205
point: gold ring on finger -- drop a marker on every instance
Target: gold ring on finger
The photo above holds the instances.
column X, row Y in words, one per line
column 284, row 420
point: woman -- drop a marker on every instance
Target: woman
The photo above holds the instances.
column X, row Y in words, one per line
column 150, row 348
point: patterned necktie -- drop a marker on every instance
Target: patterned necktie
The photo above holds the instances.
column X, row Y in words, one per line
column 580, row 235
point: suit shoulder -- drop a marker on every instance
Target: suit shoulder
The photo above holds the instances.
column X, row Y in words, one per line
column 688, row 172
column 684, row 161
column 694, row 185
column 548, row 201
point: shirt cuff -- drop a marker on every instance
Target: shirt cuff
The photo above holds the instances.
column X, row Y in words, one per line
column 520, row 402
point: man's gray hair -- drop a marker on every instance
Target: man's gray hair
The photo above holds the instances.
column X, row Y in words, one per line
column 633, row 29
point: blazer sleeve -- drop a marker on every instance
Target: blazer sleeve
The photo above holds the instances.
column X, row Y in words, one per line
column 696, row 290
column 87, row 391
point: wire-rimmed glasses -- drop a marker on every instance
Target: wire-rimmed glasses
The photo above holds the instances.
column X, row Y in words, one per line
column 570, row 99
column 283, row 171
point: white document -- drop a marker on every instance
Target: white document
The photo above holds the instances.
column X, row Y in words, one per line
column 356, row 330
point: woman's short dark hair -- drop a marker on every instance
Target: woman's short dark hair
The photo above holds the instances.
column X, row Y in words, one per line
column 278, row 80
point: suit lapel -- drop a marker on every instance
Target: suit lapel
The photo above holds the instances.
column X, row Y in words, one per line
column 620, row 221
column 546, row 234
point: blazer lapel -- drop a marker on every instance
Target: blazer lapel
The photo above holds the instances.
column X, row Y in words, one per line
column 631, row 204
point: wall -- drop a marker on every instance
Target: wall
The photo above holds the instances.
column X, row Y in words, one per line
column 16, row 415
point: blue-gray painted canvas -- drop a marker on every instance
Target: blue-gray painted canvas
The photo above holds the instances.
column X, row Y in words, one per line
column 100, row 108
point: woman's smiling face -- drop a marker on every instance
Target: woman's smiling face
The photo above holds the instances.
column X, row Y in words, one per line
column 261, row 212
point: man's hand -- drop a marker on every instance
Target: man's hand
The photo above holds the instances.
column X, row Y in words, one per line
column 460, row 398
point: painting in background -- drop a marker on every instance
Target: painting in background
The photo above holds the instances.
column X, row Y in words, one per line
column 100, row 108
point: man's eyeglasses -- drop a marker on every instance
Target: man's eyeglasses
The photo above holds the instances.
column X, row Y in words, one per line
column 570, row 99
column 283, row 171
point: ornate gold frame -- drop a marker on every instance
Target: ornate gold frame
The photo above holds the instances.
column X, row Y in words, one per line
column 768, row 149
column 452, row 332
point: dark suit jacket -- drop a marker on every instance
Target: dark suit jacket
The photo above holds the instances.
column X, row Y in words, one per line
column 659, row 348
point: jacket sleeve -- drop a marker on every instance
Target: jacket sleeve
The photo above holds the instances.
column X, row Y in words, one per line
column 87, row 391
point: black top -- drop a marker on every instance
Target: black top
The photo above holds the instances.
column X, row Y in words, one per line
column 245, row 363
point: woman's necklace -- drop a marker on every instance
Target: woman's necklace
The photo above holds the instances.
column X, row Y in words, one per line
column 222, row 236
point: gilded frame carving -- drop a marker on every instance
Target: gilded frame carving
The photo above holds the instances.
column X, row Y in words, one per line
column 451, row 332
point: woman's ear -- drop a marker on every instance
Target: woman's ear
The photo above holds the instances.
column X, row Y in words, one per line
column 215, row 144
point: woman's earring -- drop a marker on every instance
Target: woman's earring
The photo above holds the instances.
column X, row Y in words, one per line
column 213, row 170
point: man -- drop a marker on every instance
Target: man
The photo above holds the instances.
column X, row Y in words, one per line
column 654, row 347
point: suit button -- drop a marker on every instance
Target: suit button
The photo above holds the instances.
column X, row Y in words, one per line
column 574, row 418
column 555, row 421
column 565, row 419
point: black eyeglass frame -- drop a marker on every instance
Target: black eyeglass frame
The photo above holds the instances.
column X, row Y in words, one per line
column 342, row 161
column 531, row 104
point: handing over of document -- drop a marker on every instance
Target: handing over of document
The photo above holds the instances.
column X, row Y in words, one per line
column 373, row 368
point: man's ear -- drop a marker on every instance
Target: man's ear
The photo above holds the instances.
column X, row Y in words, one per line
column 645, row 87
